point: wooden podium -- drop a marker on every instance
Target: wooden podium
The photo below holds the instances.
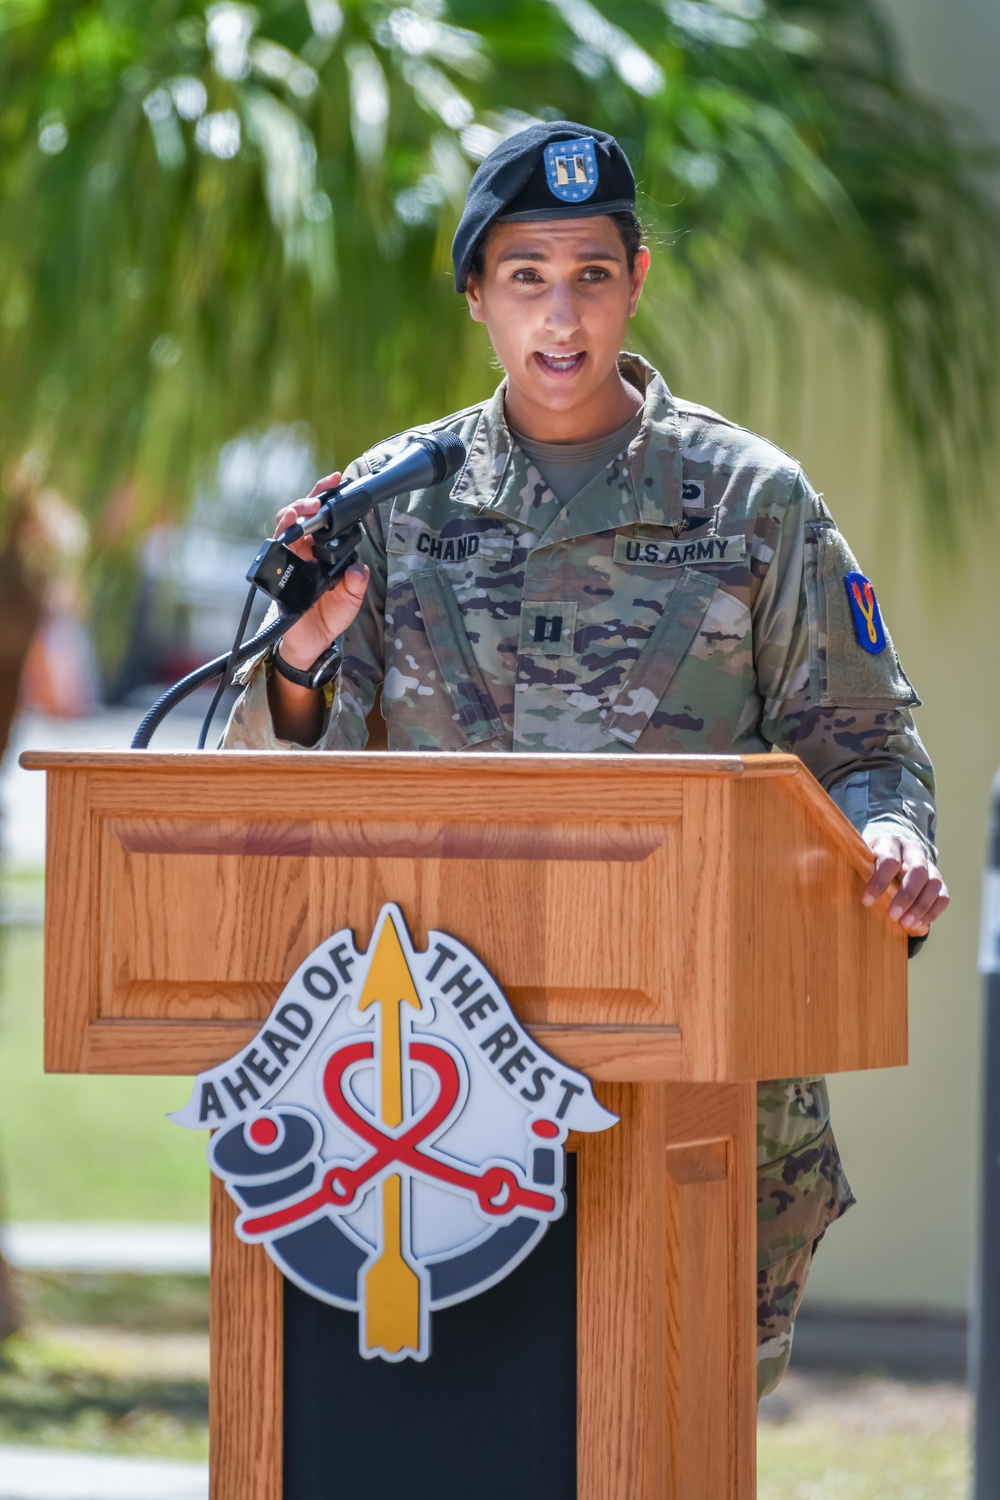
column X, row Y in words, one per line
column 675, row 927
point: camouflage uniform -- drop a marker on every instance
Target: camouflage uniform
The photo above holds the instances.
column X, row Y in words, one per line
column 689, row 600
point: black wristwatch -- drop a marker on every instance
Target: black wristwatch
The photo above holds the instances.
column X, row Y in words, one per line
column 323, row 670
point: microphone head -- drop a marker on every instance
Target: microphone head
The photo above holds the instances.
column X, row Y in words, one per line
column 447, row 453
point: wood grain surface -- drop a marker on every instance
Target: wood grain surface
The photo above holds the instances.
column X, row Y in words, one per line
column 714, row 898
column 141, row 1046
column 666, row 1296
column 246, row 1326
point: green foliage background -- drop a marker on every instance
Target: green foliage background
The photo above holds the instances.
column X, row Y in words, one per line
column 214, row 218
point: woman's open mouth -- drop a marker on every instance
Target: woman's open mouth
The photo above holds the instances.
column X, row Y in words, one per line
column 560, row 364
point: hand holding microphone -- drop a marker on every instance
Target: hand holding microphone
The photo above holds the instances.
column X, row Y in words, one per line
column 319, row 588
column 333, row 611
column 332, row 511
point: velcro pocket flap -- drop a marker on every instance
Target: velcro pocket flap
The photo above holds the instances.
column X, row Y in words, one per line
column 844, row 675
column 662, row 654
column 452, row 651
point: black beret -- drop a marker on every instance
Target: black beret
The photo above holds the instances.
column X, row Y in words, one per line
column 555, row 170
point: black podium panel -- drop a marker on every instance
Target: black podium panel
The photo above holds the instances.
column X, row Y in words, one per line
column 491, row 1415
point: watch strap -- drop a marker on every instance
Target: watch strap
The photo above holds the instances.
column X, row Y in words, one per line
column 323, row 670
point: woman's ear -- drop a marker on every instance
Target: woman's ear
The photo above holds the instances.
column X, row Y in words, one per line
column 637, row 277
column 472, row 297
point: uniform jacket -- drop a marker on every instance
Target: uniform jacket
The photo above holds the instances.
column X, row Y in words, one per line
column 690, row 599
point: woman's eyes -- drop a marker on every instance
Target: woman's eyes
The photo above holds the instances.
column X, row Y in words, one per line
column 526, row 276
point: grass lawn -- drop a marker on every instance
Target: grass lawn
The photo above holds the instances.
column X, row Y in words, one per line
column 109, row 1364
column 812, row 1461
column 824, row 1437
column 119, row 1364
column 92, row 1148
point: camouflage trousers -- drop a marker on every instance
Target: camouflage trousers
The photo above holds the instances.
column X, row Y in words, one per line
column 801, row 1191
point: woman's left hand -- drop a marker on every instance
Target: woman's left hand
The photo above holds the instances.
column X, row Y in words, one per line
column 922, row 894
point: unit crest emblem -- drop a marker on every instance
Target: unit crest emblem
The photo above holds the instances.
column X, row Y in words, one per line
column 392, row 1135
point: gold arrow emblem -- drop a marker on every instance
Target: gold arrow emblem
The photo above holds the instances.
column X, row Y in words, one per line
column 391, row 1288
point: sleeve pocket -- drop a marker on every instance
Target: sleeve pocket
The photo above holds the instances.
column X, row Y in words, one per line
column 842, row 674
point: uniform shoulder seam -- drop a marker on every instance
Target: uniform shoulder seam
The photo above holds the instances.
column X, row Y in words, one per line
column 692, row 408
column 433, row 426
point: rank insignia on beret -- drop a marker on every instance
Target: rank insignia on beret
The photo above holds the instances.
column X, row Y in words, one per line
column 571, row 169
column 867, row 616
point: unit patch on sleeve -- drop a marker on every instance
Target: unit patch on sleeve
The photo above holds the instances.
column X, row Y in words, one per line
column 867, row 616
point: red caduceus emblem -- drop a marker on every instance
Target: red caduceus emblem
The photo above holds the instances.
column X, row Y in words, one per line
column 398, row 1142
column 496, row 1189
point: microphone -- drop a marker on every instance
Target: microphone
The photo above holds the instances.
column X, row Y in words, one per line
column 297, row 582
column 424, row 462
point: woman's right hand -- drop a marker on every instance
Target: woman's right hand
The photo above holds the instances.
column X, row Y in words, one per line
column 334, row 610
column 297, row 712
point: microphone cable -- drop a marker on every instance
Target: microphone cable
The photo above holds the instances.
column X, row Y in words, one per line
column 425, row 462
column 230, row 668
column 196, row 679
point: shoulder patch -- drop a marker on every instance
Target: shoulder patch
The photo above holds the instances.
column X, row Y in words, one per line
column 840, row 622
column 868, row 625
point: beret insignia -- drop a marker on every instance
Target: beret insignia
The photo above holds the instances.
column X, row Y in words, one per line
column 571, row 169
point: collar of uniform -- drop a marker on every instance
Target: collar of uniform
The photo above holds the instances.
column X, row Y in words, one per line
column 654, row 457
column 489, row 480
column 481, row 478
column 498, row 476
column 642, row 488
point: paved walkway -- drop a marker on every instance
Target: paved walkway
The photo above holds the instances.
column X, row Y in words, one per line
column 37, row 1474
column 22, row 793
column 180, row 1249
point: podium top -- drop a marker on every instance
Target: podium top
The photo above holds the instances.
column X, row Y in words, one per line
column 428, row 762
column 693, row 917
column 613, row 775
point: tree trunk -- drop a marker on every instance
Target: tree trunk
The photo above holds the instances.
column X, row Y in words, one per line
column 20, row 613
column 10, row 1305
column 21, row 601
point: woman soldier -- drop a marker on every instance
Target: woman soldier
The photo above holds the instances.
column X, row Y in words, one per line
column 616, row 570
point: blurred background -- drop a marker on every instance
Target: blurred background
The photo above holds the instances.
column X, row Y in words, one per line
column 224, row 269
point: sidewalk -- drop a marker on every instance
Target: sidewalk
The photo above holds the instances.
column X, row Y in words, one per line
column 22, row 793
column 37, row 1474
column 149, row 1249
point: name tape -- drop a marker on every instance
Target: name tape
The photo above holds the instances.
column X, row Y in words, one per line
column 651, row 552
